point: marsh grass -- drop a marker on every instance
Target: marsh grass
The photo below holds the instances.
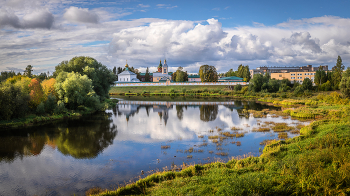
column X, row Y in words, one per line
column 261, row 129
column 282, row 135
column 280, row 127
column 165, row 147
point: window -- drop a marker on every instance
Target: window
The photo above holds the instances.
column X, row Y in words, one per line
column 127, row 79
column 164, row 70
column 280, row 75
column 292, row 74
column 300, row 77
column 292, row 78
column 300, row 74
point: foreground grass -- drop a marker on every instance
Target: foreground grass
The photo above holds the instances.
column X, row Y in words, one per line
column 315, row 163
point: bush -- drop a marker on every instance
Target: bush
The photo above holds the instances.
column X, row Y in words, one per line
column 238, row 87
column 60, row 108
column 50, row 104
column 298, row 91
column 183, row 90
column 172, row 90
column 40, row 110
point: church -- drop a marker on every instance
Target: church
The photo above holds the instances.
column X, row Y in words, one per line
column 127, row 76
column 162, row 75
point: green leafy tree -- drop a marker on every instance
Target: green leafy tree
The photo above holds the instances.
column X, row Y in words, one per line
column 28, row 71
column 345, row 83
column 74, row 90
column 180, row 75
column 13, row 103
column 208, row 73
column 115, row 70
column 147, row 76
column 307, row 84
column 230, row 73
column 274, row 85
column 6, row 74
column 101, row 77
column 337, row 73
column 320, row 77
column 243, row 72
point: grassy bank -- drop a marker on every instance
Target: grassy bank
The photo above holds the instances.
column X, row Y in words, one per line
column 315, row 163
column 166, row 89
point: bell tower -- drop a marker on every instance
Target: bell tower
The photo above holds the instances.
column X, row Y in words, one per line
column 165, row 68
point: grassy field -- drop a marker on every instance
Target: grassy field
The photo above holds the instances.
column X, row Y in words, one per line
column 315, row 163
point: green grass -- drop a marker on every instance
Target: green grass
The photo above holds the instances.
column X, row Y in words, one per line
column 315, row 163
column 166, row 89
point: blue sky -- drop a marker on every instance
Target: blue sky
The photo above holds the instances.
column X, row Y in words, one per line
column 187, row 33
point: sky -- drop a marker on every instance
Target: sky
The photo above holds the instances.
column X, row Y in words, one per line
column 225, row 34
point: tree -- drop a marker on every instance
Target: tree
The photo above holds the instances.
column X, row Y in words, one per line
column 6, row 74
column 74, row 90
column 230, row 73
column 307, row 84
column 102, row 78
column 208, row 112
column 36, row 93
column 337, row 73
column 320, row 77
column 42, row 76
column 49, row 87
column 115, row 70
column 13, row 103
column 28, row 71
column 147, row 76
column 23, row 84
column 345, row 83
column 243, row 72
column 208, row 73
column 180, row 75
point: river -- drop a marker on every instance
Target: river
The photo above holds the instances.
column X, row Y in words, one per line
column 113, row 147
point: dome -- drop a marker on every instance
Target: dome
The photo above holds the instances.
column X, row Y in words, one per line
column 160, row 64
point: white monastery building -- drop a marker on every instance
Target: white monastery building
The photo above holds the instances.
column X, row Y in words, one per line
column 127, row 76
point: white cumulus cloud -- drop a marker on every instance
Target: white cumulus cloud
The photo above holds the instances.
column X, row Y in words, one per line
column 81, row 15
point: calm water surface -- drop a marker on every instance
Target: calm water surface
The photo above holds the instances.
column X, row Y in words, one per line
column 112, row 147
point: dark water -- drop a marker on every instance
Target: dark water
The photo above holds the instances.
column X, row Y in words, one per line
column 112, row 147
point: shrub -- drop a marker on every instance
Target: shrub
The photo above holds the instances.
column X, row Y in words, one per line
column 238, row 87
column 40, row 110
column 172, row 90
column 50, row 104
column 298, row 91
column 183, row 90
column 60, row 108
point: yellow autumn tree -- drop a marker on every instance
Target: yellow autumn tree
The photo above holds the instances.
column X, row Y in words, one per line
column 36, row 93
column 48, row 87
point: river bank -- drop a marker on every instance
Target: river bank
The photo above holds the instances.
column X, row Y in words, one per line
column 316, row 162
column 36, row 120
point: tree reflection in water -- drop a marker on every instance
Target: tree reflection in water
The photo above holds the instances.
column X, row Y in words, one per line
column 208, row 112
column 83, row 138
